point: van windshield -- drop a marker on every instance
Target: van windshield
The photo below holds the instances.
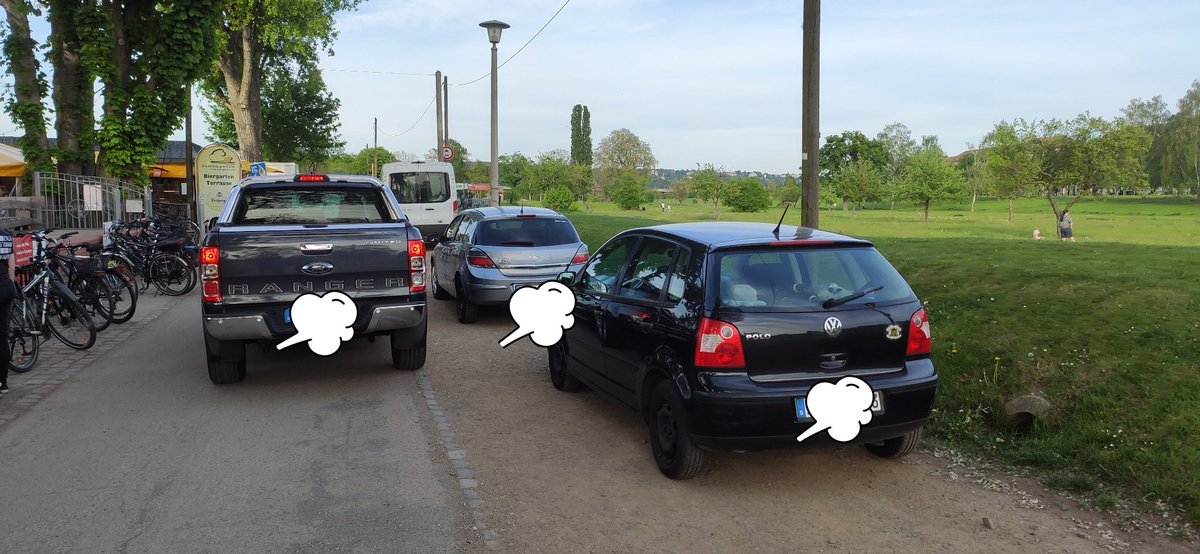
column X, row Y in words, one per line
column 420, row 187
column 802, row 279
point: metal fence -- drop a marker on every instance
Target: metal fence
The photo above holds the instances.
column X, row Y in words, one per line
column 86, row 202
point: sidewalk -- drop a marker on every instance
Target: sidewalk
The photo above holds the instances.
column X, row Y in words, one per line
column 57, row 363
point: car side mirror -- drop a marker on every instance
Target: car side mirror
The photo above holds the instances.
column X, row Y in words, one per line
column 212, row 222
column 566, row 277
column 432, row 240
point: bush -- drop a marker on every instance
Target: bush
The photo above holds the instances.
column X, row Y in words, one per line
column 560, row 199
column 749, row 196
column 630, row 192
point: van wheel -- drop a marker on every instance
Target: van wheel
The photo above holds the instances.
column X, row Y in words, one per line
column 559, row 376
column 466, row 311
column 898, row 447
column 670, row 438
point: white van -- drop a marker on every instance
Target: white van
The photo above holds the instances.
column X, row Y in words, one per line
column 426, row 191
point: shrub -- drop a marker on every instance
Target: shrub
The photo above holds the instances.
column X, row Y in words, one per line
column 560, row 199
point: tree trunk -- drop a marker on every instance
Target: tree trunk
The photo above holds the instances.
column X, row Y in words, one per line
column 927, row 211
column 241, row 68
column 74, row 100
column 26, row 109
column 845, row 205
column 1010, row 211
column 717, row 206
column 974, row 195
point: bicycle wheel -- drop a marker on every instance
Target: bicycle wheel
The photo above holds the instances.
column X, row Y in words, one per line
column 96, row 300
column 124, row 296
column 172, row 275
column 70, row 323
column 22, row 343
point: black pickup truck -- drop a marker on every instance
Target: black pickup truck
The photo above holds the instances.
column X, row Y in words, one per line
column 281, row 237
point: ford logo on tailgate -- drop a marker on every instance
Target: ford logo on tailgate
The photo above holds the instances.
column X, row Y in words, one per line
column 317, row 268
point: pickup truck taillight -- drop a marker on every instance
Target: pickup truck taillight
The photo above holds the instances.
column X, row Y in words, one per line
column 416, row 265
column 210, row 273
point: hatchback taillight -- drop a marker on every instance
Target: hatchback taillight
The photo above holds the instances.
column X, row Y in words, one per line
column 210, row 273
column 919, row 339
column 416, row 265
column 478, row 258
column 719, row 344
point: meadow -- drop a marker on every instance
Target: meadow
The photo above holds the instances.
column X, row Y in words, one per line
column 1106, row 328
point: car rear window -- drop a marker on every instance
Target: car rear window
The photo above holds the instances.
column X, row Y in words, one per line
column 802, row 279
column 308, row 204
column 526, row 231
column 420, row 187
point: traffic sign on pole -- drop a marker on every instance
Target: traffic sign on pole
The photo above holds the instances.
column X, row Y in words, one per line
column 447, row 152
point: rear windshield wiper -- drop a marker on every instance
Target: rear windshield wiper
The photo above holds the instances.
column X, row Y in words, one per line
column 834, row 302
column 517, row 243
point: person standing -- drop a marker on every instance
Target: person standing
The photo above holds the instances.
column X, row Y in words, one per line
column 1065, row 230
column 8, row 292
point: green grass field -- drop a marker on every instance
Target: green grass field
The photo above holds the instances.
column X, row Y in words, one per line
column 1107, row 328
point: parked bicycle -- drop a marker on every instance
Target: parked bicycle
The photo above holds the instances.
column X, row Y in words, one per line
column 45, row 306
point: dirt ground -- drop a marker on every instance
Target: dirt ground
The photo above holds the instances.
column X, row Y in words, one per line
column 571, row 472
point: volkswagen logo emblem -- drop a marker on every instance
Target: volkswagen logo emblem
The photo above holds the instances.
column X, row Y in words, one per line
column 833, row 326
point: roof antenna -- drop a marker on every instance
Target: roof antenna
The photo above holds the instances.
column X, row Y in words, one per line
column 780, row 224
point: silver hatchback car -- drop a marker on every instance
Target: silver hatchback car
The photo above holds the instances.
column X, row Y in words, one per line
column 486, row 254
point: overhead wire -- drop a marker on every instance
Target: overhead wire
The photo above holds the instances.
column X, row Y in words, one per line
column 410, row 127
column 535, row 35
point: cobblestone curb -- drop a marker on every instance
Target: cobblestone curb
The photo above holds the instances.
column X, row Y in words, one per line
column 57, row 363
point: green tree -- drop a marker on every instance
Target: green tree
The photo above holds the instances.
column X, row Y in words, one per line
column 458, row 160
column 857, row 182
column 1153, row 115
column 622, row 152
column 748, row 195
column 478, row 172
column 973, row 165
column 514, row 169
column 789, row 193
column 1182, row 157
column 550, row 169
column 560, row 199
column 581, row 136
column 898, row 143
column 850, row 146
column 74, row 77
column 929, row 178
column 259, row 33
column 679, row 190
column 29, row 85
column 1095, row 154
column 708, row 185
column 155, row 51
column 1012, row 168
column 631, row 190
column 300, row 120
column 358, row 163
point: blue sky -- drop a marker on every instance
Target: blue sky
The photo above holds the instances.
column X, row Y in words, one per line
column 719, row 81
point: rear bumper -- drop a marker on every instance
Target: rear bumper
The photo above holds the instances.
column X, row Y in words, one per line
column 727, row 419
column 371, row 320
column 496, row 288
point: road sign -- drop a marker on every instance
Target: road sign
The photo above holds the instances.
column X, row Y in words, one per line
column 447, row 152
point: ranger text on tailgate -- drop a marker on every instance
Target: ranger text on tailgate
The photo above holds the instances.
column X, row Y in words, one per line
column 281, row 237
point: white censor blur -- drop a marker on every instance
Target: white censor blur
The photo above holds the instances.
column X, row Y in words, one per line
column 842, row 408
column 542, row 313
column 324, row 321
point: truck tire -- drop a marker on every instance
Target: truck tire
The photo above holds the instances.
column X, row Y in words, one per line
column 226, row 360
column 408, row 358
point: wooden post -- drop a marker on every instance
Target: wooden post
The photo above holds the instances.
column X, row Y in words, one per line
column 811, row 131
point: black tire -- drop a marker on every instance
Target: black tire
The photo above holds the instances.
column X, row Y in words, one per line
column 408, row 358
column 438, row 292
column 670, row 437
column 23, row 347
column 172, row 275
column 898, row 447
column 228, row 365
column 96, row 299
column 70, row 323
column 464, row 309
column 124, row 296
column 560, row 377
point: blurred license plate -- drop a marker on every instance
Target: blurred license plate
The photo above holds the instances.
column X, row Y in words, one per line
column 803, row 415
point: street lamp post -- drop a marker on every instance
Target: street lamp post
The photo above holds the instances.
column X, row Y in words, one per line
column 493, row 30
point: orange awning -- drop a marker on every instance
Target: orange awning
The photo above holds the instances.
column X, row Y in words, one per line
column 12, row 169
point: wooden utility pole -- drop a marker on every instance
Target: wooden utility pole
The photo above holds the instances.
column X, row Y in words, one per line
column 441, row 132
column 446, row 109
column 375, row 152
column 810, row 199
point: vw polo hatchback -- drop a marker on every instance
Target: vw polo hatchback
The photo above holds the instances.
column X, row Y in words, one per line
column 715, row 333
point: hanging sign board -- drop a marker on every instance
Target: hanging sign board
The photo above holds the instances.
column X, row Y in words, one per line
column 218, row 168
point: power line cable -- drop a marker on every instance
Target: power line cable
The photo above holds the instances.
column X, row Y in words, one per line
column 414, row 123
column 380, row 72
column 535, row 35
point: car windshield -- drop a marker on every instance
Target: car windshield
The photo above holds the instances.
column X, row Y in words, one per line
column 802, row 279
column 420, row 187
column 306, row 204
column 526, row 231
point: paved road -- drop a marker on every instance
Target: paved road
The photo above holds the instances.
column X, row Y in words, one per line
column 139, row 452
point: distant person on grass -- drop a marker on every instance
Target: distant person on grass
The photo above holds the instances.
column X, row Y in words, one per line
column 1065, row 230
column 1037, row 235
